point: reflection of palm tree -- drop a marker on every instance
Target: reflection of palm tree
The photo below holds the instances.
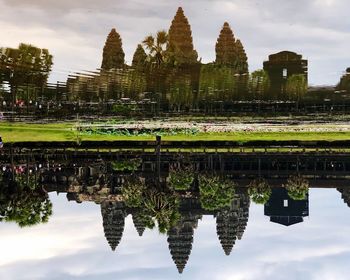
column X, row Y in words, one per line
column 297, row 187
column 259, row 191
column 162, row 207
column 156, row 46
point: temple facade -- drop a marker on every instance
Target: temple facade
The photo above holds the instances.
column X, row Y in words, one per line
column 285, row 211
column 280, row 67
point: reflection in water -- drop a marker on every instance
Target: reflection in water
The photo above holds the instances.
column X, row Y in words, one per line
column 284, row 210
column 169, row 191
column 22, row 200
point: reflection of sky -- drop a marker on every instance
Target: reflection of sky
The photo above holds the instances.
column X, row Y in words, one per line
column 72, row 246
column 75, row 31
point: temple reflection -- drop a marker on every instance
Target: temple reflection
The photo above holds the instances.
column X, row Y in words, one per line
column 170, row 192
column 286, row 211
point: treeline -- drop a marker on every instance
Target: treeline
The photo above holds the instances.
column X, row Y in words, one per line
column 24, row 72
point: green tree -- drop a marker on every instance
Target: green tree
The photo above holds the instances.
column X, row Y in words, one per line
column 215, row 193
column 217, row 83
column 132, row 191
column 181, row 179
column 297, row 187
column 259, row 84
column 27, row 66
column 26, row 206
column 296, row 87
column 259, row 191
column 162, row 207
column 156, row 47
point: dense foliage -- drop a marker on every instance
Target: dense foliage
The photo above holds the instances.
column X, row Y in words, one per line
column 259, row 191
column 24, row 202
column 297, row 187
column 215, row 193
column 181, row 179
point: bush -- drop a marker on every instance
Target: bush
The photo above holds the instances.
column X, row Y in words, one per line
column 215, row 193
column 297, row 187
column 259, row 191
column 181, row 179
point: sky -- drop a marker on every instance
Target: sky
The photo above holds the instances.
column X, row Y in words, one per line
column 72, row 246
column 75, row 31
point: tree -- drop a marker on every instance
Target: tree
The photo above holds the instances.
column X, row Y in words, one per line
column 27, row 66
column 215, row 193
column 180, row 46
column 181, row 179
column 297, row 187
column 296, row 87
column 259, row 84
column 162, row 207
column 132, row 191
column 259, row 191
column 113, row 54
column 156, row 47
column 25, row 204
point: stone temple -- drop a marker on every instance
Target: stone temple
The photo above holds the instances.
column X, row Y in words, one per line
column 280, row 67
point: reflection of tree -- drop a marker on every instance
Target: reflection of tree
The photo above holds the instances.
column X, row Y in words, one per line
column 26, row 207
column 132, row 191
column 126, row 165
column 297, row 187
column 259, row 191
column 162, row 207
column 154, row 205
column 180, row 179
column 215, row 193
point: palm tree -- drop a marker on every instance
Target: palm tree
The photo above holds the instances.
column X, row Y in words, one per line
column 156, row 47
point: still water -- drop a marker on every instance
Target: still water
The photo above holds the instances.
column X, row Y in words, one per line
column 93, row 234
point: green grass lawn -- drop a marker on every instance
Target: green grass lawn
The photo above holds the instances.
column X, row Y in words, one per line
column 20, row 132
